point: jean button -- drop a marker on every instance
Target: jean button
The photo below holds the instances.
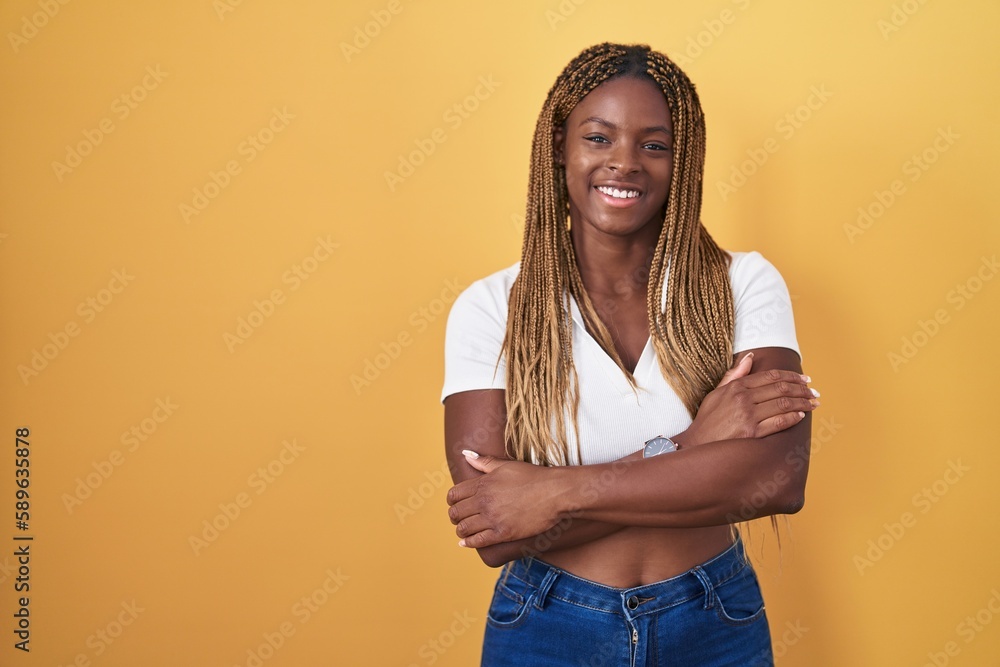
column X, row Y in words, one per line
column 632, row 602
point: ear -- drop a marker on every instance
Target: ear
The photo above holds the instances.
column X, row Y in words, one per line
column 558, row 145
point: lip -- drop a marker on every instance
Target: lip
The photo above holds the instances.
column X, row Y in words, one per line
column 615, row 202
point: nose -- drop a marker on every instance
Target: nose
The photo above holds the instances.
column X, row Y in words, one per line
column 622, row 159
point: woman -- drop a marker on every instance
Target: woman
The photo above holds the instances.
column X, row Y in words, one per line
column 553, row 401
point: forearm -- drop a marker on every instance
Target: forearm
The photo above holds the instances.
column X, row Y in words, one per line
column 708, row 485
column 571, row 531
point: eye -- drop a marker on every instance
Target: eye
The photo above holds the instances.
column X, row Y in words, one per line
column 596, row 138
column 658, row 147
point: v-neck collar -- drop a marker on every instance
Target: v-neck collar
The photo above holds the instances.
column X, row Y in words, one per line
column 647, row 359
column 614, row 373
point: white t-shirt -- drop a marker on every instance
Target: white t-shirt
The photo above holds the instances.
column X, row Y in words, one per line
column 613, row 421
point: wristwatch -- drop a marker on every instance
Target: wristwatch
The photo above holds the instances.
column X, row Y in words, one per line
column 661, row 444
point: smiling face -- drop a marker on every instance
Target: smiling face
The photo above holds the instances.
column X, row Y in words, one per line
column 617, row 149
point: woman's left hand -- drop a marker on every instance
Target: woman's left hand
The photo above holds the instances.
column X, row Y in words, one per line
column 513, row 500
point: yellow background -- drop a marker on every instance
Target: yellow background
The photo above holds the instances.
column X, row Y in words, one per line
column 895, row 77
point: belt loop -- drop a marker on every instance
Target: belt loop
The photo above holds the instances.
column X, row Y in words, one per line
column 505, row 571
column 543, row 588
column 707, row 584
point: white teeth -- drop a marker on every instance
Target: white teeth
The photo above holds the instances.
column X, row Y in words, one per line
column 618, row 194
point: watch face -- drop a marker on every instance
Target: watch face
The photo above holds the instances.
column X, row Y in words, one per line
column 658, row 445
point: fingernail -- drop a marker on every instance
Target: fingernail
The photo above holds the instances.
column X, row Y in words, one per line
column 814, row 402
column 470, row 454
column 806, row 378
column 749, row 355
column 814, row 392
column 801, row 414
column 461, row 543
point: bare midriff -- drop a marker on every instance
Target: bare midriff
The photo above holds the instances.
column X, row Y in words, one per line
column 638, row 555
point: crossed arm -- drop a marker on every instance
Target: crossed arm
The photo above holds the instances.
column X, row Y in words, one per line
column 748, row 447
column 466, row 428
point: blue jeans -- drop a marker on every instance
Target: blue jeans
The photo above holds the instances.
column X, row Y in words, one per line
column 709, row 616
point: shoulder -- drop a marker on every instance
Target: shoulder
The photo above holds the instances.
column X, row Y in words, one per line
column 751, row 269
column 474, row 335
column 762, row 305
column 747, row 262
column 489, row 293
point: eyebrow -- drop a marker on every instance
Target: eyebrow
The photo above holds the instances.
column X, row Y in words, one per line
column 612, row 126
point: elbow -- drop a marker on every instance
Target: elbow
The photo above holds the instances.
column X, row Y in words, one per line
column 784, row 503
column 794, row 504
column 787, row 487
column 783, row 493
column 794, row 498
column 497, row 555
column 491, row 558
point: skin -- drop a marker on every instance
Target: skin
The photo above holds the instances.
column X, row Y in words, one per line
column 644, row 520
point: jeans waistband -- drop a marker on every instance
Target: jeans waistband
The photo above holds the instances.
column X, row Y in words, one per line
column 700, row 581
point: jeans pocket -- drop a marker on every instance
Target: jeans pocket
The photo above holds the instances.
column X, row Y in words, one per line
column 508, row 607
column 739, row 601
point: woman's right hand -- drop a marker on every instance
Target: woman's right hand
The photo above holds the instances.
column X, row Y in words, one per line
column 746, row 405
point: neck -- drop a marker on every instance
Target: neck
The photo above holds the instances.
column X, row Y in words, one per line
column 616, row 266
